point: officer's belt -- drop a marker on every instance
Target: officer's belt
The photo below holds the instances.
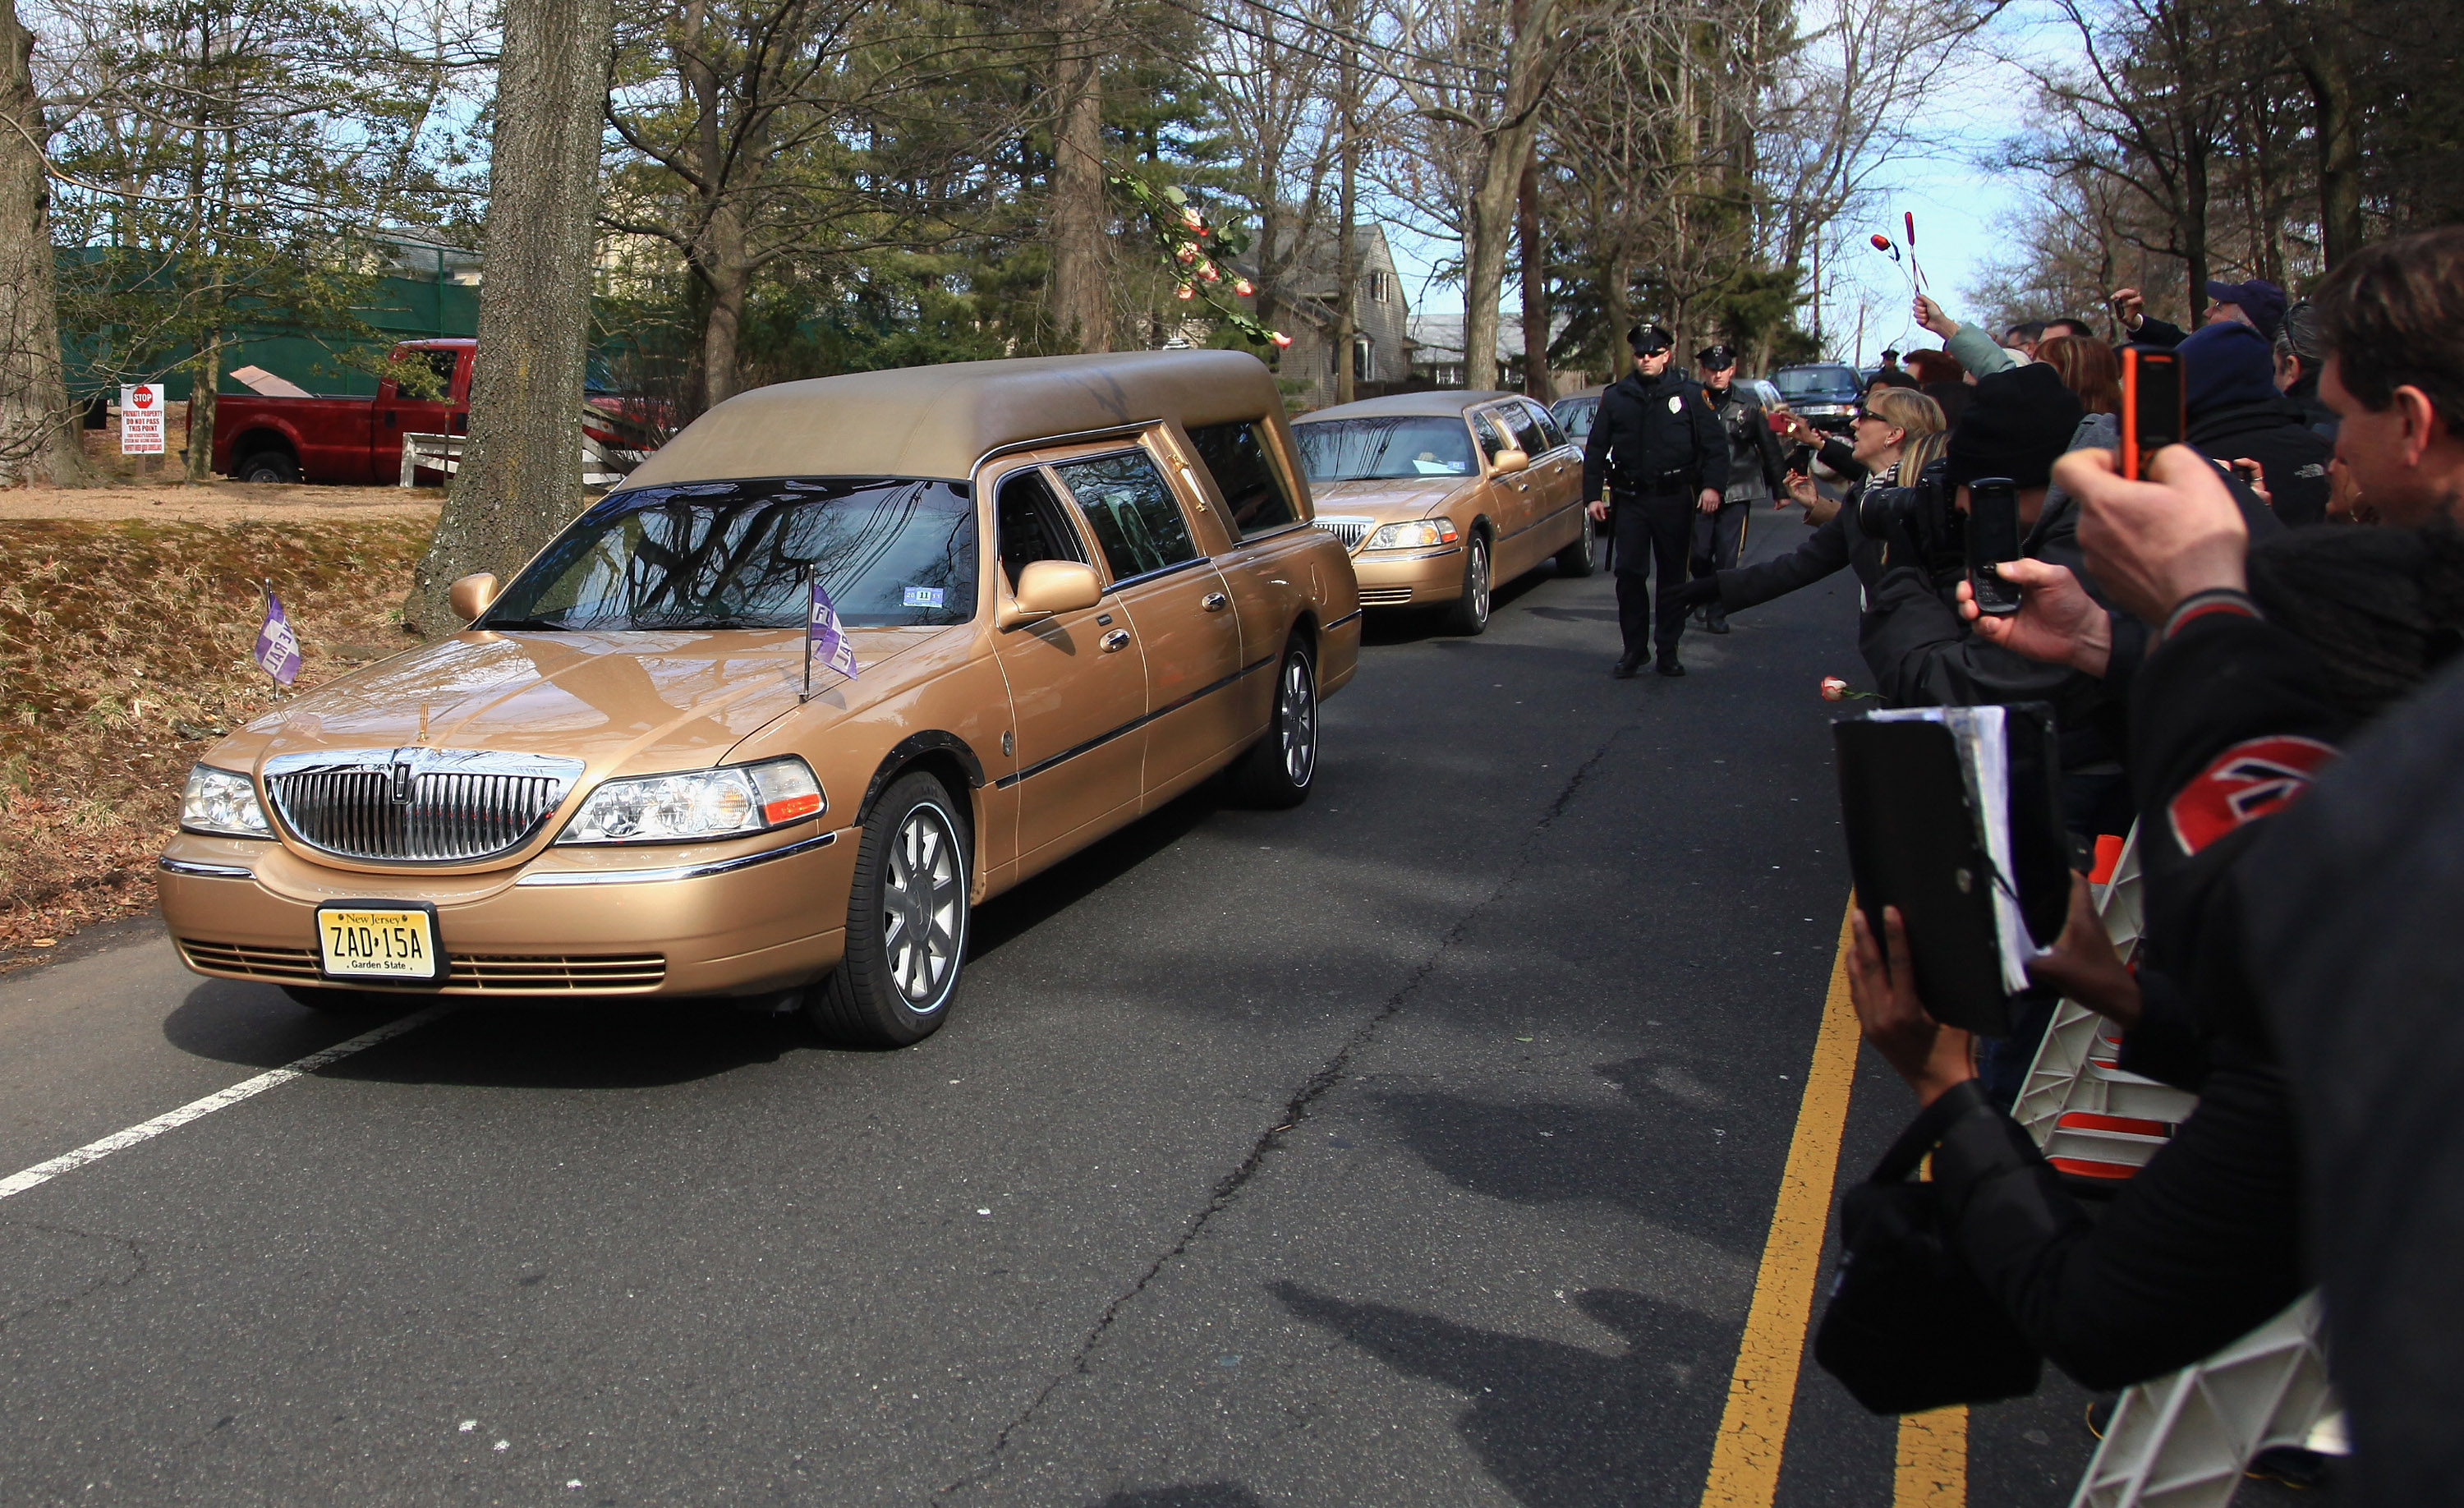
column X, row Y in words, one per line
column 1659, row 484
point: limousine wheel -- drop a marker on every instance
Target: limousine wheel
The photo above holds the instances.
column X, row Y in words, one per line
column 1471, row 613
column 1278, row 768
column 907, row 922
column 1581, row 558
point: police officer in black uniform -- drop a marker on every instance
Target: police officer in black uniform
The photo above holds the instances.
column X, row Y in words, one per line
column 1655, row 458
column 1757, row 472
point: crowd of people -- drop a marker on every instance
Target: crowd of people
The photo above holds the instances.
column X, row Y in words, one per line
column 2249, row 649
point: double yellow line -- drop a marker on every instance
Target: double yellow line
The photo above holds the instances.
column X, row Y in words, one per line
column 1932, row 1464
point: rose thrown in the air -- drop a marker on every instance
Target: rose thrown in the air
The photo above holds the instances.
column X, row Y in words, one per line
column 1833, row 689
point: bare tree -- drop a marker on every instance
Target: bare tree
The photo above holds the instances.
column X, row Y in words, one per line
column 1080, row 219
column 520, row 479
column 36, row 439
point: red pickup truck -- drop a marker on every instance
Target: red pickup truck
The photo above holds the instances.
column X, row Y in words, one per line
column 261, row 439
column 342, row 439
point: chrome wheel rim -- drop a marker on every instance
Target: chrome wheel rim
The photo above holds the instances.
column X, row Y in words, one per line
column 1477, row 569
column 1297, row 714
column 924, row 908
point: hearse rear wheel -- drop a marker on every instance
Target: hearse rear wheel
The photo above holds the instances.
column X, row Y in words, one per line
column 907, row 922
column 1277, row 769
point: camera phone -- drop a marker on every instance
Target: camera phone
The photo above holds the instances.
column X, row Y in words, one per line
column 2151, row 405
column 1993, row 537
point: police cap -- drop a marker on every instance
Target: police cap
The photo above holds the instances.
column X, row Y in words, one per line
column 1716, row 358
column 1649, row 339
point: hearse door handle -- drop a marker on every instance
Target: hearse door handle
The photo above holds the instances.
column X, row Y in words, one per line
column 1116, row 640
column 1214, row 601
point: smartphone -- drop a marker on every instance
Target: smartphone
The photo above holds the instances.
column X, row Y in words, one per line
column 1993, row 537
column 2151, row 404
column 1778, row 423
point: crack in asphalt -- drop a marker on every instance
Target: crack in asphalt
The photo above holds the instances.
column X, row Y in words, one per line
column 131, row 1268
column 1295, row 1109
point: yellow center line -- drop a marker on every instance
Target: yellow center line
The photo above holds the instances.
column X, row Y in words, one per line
column 1932, row 1469
column 1762, row 1390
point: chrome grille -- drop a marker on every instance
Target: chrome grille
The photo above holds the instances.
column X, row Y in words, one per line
column 417, row 805
column 466, row 973
column 1385, row 595
column 1350, row 531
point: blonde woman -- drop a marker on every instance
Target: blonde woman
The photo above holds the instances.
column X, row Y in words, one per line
column 1898, row 433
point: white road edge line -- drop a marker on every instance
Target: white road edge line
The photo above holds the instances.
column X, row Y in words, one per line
column 196, row 1110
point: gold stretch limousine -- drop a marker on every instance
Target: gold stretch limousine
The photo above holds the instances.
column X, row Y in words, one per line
column 1439, row 495
column 1075, row 587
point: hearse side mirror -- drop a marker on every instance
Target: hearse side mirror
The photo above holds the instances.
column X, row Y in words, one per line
column 1505, row 462
column 471, row 596
column 1047, row 587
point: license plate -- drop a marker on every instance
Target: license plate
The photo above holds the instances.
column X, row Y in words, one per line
column 378, row 943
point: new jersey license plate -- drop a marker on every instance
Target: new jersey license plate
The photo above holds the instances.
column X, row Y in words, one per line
column 372, row 942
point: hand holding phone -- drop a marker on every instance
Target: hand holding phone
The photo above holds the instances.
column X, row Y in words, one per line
column 2151, row 405
column 1993, row 537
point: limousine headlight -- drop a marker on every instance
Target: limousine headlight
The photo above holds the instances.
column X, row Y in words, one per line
column 224, row 803
column 1418, row 535
column 725, row 802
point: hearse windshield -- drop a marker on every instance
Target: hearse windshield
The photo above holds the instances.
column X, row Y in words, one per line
column 1380, row 449
column 737, row 555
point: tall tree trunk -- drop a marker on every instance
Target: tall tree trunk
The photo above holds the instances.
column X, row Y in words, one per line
column 1082, row 306
column 729, row 272
column 2193, row 226
column 1534, row 252
column 205, row 386
column 1489, row 215
column 520, row 478
column 2328, row 71
column 1347, row 235
column 1617, row 309
column 37, row 437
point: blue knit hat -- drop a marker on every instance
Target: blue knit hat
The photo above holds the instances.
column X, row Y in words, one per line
column 2226, row 363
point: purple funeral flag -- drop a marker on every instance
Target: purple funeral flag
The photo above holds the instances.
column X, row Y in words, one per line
column 277, row 647
column 822, row 632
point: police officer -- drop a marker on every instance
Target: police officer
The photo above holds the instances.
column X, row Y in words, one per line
column 1757, row 472
column 1655, row 456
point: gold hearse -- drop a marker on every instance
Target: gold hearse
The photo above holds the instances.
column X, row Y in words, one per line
column 1439, row 495
column 1074, row 586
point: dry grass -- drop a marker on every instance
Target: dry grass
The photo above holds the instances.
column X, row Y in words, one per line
column 123, row 654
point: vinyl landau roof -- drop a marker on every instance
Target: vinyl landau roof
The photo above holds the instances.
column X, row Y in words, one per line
column 937, row 422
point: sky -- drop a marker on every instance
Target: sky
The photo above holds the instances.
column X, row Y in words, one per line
column 1957, row 206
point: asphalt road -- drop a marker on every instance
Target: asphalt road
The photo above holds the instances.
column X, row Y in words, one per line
column 1415, row 1146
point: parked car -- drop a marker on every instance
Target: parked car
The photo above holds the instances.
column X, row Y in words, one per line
column 1825, row 393
column 1439, row 495
column 1074, row 587
column 1575, row 411
column 359, row 440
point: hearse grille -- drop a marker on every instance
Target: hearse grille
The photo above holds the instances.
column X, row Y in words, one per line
column 466, row 973
column 1350, row 531
column 417, row 805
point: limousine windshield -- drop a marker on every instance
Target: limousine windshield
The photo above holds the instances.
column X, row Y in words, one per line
column 1379, row 449
column 738, row 554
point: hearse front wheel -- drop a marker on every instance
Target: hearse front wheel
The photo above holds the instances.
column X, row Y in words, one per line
column 907, row 922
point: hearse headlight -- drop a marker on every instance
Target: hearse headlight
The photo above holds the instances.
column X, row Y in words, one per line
column 1419, row 533
column 223, row 803
column 698, row 804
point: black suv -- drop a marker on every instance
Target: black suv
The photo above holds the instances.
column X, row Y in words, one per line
column 1825, row 393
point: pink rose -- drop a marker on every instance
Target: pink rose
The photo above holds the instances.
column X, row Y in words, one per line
column 1833, row 689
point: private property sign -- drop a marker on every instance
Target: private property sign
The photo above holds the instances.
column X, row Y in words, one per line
column 140, row 419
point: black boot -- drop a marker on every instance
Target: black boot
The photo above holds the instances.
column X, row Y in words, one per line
column 1668, row 665
column 1628, row 666
column 1716, row 623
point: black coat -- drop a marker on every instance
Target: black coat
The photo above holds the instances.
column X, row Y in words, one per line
column 2274, row 432
column 1654, row 437
column 2349, row 905
column 1757, row 470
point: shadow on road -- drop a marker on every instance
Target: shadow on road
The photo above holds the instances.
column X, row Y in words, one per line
column 1082, row 874
column 1558, row 1423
